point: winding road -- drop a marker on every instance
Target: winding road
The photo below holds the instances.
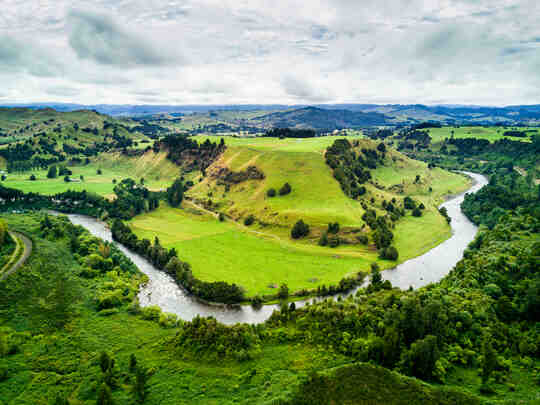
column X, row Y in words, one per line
column 27, row 251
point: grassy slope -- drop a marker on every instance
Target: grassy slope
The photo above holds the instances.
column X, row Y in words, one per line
column 490, row 133
column 363, row 384
column 157, row 171
column 257, row 261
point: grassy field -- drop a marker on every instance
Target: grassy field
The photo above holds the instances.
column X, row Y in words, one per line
column 492, row 134
column 263, row 256
column 157, row 171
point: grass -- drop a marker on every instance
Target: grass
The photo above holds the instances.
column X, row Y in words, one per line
column 492, row 134
column 157, row 171
column 224, row 251
column 263, row 255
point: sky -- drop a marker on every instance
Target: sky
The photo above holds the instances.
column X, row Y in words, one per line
column 270, row 51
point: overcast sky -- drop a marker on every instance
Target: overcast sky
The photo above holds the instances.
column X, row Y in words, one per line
column 270, row 51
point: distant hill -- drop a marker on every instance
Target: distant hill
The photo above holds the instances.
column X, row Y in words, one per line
column 330, row 116
column 323, row 119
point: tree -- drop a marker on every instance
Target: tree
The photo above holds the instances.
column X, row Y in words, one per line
column 175, row 193
column 323, row 240
column 333, row 227
column 132, row 363
column 419, row 361
column 299, row 230
column 66, row 179
column 33, row 177
column 417, row 212
column 376, row 277
column 104, row 395
column 104, row 362
column 249, row 220
column 52, row 173
column 381, row 147
column 141, row 376
column 489, row 362
column 271, row 192
column 99, row 172
column 285, row 189
column 283, row 292
column 81, row 177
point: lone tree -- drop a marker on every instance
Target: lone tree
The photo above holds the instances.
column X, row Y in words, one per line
column 175, row 193
column 299, row 230
column 283, row 292
column 52, row 173
column 285, row 189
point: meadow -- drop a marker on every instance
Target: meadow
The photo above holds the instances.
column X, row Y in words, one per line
column 263, row 256
column 157, row 171
column 492, row 134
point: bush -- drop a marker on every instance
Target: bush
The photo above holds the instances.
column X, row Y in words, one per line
column 33, row 177
column 323, row 240
column 151, row 313
column 249, row 220
column 334, row 241
column 363, row 239
column 271, row 192
column 389, row 253
column 221, row 217
column 299, row 230
column 286, row 189
column 417, row 212
column 283, row 292
column 333, row 227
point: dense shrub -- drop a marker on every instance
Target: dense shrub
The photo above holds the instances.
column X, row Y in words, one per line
column 285, row 189
column 299, row 230
column 249, row 220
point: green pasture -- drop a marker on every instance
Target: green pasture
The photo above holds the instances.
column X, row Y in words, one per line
column 157, row 171
column 492, row 134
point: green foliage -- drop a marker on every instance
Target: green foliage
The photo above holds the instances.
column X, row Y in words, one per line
column 420, row 360
column 271, row 192
column 363, row 383
column 3, row 232
column 299, row 230
column 104, row 395
column 285, row 189
column 333, row 228
column 175, row 193
column 249, row 220
column 283, row 292
column 52, row 173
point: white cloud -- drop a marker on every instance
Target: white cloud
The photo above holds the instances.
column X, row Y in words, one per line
column 231, row 51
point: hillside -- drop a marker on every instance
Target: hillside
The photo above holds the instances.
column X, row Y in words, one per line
column 100, row 174
column 230, row 250
column 318, row 118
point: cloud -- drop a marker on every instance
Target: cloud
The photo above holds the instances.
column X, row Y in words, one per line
column 20, row 56
column 301, row 89
column 63, row 91
column 98, row 37
column 290, row 51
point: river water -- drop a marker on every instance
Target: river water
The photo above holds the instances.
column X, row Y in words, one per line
column 161, row 290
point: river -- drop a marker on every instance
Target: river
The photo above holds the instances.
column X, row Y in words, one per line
column 161, row 290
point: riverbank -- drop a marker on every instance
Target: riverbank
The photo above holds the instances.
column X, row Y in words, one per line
column 162, row 290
